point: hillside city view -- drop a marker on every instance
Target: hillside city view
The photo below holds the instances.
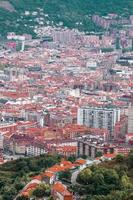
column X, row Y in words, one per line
column 66, row 100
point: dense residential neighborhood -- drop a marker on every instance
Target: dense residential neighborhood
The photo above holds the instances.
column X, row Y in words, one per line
column 66, row 100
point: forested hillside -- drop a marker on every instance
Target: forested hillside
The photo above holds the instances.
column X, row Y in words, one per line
column 73, row 14
column 16, row 174
column 110, row 180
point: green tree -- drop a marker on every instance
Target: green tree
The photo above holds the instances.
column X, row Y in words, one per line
column 2, row 183
column 65, row 175
column 98, row 179
column 21, row 165
column 99, row 154
column 125, row 182
column 22, row 198
column 130, row 196
column 50, row 198
column 9, row 193
column 120, row 158
column 111, row 176
column 42, row 190
column 19, row 186
column 130, row 160
column 121, row 169
column 33, row 166
column 72, row 158
column 85, row 176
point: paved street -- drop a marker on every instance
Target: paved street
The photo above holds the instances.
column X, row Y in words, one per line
column 75, row 174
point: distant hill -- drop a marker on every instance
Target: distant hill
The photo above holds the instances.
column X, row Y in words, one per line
column 70, row 13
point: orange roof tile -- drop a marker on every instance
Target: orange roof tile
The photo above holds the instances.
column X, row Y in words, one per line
column 65, row 162
column 48, row 174
column 60, row 188
column 59, row 168
column 110, row 155
column 26, row 191
column 39, row 177
column 81, row 161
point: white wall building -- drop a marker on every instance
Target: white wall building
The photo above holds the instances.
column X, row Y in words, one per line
column 1, row 141
column 130, row 119
column 99, row 117
column 32, row 150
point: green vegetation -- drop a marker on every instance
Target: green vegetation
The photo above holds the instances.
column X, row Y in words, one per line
column 14, row 175
column 22, row 198
column 72, row 158
column 65, row 176
column 99, row 154
column 107, row 181
column 42, row 190
column 73, row 14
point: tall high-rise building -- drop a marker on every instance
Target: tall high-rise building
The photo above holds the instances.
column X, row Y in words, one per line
column 132, row 45
column 117, row 43
column 99, row 117
column 130, row 117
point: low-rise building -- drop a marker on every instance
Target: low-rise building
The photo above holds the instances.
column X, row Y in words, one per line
column 35, row 148
column 60, row 192
column 90, row 146
column 48, row 177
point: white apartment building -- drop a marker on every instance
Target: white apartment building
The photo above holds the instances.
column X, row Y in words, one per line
column 1, row 141
column 130, row 118
column 99, row 117
column 32, row 150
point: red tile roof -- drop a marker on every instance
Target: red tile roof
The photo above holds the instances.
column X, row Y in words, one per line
column 48, row 174
column 60, row 188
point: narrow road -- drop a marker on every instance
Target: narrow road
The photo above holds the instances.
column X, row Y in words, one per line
column 75, row 174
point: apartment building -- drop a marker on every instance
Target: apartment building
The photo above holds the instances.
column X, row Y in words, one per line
column 130, row 118
column 91, row 145
column 99, row 117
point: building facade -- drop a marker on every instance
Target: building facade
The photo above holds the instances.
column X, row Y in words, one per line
column 90, row 148
column 130, row 118
column 99, row 117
